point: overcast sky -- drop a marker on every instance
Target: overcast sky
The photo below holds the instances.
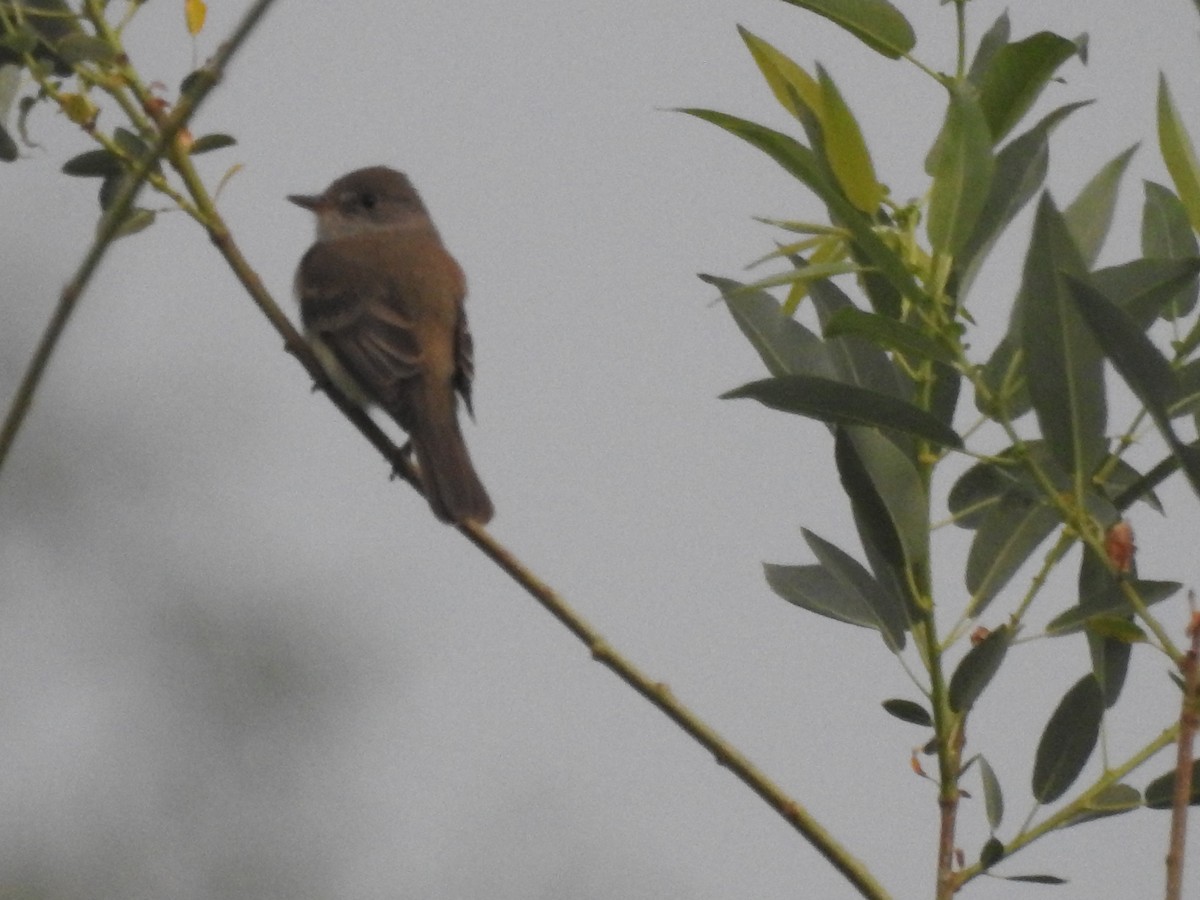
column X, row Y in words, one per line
column 238, row 662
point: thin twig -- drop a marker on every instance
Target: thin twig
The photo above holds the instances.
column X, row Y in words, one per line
column 658, row 693
column 1189, row 718
column 111, row 222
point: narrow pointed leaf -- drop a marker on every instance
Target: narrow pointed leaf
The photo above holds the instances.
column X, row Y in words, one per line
column 1016, row 76
column 815, row 589
column 209, row 142
column 804, row 164
column 909, row 711
column 785, row 346
column 1089, row 216
column 853, row 578
column 989, row 45
column 1114, row 800
column 1034, row 879
column 796, row 90
column 899, row 487
column 1068, row 740
column 1144, row 369
column 1167, row 234
column 876, row 530
column 92, row 164
column 977, row 669
column 857, row 361
column 993, row 797
column 876, row 23
column 962, row 172
column 887, row 334
column 1006, row 538
column 1178, row 153
column 1146, row 288
column 1159, row 792
column 1063, row 364
column 1076, row 618
column 846, row 149
column 1019, row 173
column 845, row 404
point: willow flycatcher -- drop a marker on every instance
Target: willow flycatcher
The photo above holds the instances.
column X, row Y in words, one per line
column 381, row 300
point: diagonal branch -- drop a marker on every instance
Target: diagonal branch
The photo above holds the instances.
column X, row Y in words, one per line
column 110, row 224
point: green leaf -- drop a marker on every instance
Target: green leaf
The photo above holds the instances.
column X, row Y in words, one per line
column 1007, row 537
column 92, row 164
column 856, row 360
column 962, row 167
column 1117, row 628
column 1068, row 740
column 785, row 346
column 1166, row 231
column 1160, row 792
column 1146, row 371
column 815, row 589
column 210, row 142
column 876, row 23
column 1034, row 879
column 876, row 530
column 1089, row 216
column 844, row 404
column 909, row 711
column 887, row 334
column 83, row 48
column 1167, row 234
column 803, row 164
column 992, row 853
column 899, row 487
column 1178, row 153
column 1017, row 75
column 1076, row 618
column 989, row 45
column 1146, row 288
column 1019, row 172
column 853, row 578
column 10, row 85
column 846, row 149
column 993, row 797
column 136, row 220
column 130, row 144
column 1068, row 390
column 977, row 669
column 1112, row 801
column 8, row 147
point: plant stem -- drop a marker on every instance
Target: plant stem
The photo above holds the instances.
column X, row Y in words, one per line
column 1189, row 718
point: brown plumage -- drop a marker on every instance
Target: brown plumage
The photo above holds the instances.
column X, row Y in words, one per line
column 382, row 302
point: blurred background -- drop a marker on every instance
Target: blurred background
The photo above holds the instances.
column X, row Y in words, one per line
column 236, row 661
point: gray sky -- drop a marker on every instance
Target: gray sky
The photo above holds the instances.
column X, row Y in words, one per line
column 239, row 663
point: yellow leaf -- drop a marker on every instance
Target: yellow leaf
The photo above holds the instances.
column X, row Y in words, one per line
column 795, row 89
column 1178, row 153
column 846, row 149
column 194, row 12
column 79, row 109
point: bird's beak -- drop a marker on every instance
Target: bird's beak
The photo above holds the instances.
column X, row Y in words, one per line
column 311, row 202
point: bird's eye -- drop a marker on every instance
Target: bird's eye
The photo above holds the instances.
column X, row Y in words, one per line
column 367, row 200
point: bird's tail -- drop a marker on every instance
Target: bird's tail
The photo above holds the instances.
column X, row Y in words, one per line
column 451, row 484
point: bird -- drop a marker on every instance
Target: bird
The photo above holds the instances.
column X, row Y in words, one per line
column 382, row 304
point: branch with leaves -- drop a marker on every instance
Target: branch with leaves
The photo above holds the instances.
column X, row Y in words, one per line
column 884, row 371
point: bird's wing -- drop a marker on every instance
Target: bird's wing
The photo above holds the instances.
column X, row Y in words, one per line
column 350, row 308
column 464, row 357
